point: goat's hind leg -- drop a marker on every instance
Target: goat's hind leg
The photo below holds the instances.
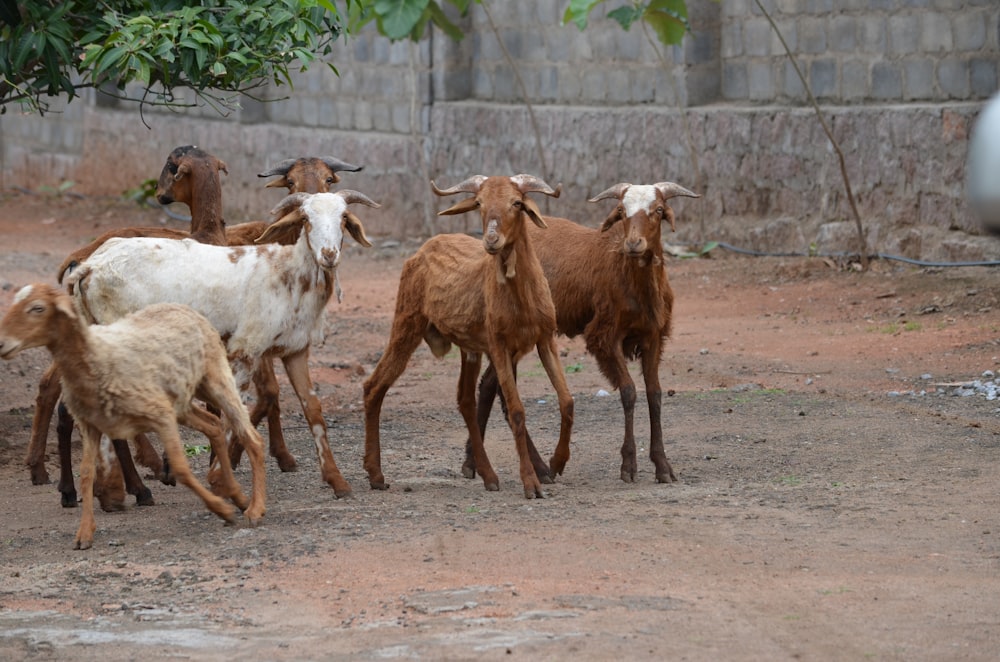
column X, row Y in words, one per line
column 49, row 390
column 64, row 436
column 220, row 476
column 133, row 482
column 170, row 437
column 467, row 406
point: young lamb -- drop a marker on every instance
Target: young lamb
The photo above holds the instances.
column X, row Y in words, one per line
column 494, row 302
column 611, row 285
column 140, row 374
column 190, row 175
column 266, row 301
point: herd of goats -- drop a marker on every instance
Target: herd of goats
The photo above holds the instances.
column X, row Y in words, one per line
column 154, row 321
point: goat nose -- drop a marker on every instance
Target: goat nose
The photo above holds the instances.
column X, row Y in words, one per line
column 331, row 257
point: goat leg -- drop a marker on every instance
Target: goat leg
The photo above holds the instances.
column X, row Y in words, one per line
column 654, row 397
column 489, row 389
column 268, row 404
column 49, row 390
column 64, row 434
column 467, row 406
column 133, row 482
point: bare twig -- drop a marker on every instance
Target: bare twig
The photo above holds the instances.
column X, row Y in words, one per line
column 862, row 241
column 524, row 91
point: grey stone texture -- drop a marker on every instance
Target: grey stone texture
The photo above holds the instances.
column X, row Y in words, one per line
column 901, row 82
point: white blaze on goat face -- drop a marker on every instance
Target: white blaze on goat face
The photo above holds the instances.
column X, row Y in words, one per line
column 638, row 197
column 326, row 231
column 22, row 294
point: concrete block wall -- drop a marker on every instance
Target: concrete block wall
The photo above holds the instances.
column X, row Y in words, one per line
column 859, row 51
column 901, row 82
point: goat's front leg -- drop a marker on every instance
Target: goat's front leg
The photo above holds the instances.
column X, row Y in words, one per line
column 88, row 467
column 268, row 404
column 654, row 398
column 613, row 365
column 488, row 391
column 220, row 475
column 504, row 363
column 297, row 368
column 548, row 353
column 49, row 390
column 471, row 362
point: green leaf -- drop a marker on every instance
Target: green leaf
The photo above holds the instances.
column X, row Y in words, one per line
column 439, row 18
column 626, row 16
column 578, row 11
column 668, row 18
column 398, row 18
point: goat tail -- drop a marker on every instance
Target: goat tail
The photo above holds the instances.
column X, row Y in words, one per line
column 76, row 287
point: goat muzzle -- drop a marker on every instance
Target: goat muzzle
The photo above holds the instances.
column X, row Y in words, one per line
column 330, row 258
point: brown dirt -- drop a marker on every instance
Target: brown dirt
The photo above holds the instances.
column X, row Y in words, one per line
column 816, row 516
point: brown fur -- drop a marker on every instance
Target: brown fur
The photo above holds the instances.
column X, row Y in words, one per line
column 451, row 291
column 611, row 286
column 191, row 175
column 140, row 374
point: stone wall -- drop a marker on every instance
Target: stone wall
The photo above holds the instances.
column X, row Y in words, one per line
column 721, row 114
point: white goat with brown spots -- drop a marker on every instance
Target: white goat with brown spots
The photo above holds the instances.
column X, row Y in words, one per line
column 266, row 300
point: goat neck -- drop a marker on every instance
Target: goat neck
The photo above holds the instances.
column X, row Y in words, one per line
column 207, row 224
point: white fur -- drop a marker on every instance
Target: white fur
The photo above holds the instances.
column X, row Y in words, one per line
column 638, row 198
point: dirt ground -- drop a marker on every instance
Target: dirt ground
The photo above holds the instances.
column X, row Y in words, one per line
column 836, row 500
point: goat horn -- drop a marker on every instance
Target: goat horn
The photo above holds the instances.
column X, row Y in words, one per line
column 289, row 201
column 617, row 192
column 351, row 197
column 670, row 190
column 280, row 169
column 337, row 165
column 530, row 183
column 470, row 185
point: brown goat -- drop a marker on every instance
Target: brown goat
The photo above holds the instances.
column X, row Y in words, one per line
column 495, row 303
column 190, row 175
column 182, row 357
column 610, row 285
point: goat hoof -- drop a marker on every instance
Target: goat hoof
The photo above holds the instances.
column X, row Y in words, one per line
column 68, row 499
column 534, row 492
column 492, row 487
column 168, row 479
column 113, row 506
column 287, row 464
column 39, row 477
column 378, row 484
column 468, row 471
column 83, row 544
column 667, row 477
column 628, row 476
column 144, row 498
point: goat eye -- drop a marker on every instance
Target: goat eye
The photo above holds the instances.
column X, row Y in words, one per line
column 660, row 211
column 518, row 203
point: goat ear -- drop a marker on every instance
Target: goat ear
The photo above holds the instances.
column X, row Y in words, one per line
column 222, row 166
column 356, row 229
column 291, row 221
column 281, row 182
column 183, row 170
column 531, row 209
column 65, row 305
column 466, row 205
column 616, row 215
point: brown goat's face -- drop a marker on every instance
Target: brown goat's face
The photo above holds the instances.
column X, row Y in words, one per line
column 26, row 324
column 309, row 175
column 176, row 182
column 641, row 212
